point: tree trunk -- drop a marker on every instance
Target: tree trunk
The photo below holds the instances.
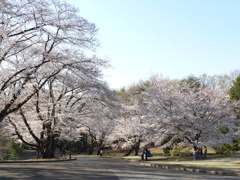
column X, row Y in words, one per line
column 46, row 151
column 90, row 150
column 136, row 149
column 85, row 143
column 129, row 152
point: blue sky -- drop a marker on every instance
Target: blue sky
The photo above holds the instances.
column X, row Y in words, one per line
column 174, row 38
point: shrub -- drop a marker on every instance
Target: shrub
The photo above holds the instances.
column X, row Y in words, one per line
column 166, row 150
column 182, row 151
column 227, row 148
column 15, row 148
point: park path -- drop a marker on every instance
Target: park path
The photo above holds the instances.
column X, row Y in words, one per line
column 89, row 168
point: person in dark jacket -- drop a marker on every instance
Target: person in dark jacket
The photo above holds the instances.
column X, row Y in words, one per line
column 145, row 154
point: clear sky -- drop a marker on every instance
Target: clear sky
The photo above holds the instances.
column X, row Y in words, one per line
column 175, row 38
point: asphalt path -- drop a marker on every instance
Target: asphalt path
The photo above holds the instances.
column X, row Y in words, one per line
column 88, row 168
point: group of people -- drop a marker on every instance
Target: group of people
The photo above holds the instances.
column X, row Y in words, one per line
column 199, row 152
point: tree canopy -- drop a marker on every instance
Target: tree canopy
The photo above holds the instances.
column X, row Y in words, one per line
column 38, row 40
column 52, row 77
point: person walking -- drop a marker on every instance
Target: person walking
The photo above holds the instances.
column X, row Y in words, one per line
column 201, row 152
column 204, row 152
column 193, row 153
column 197, row 152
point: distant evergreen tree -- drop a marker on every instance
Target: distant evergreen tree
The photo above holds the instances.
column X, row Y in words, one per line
column 234, row 92
column 192, row 80
column 135, row 91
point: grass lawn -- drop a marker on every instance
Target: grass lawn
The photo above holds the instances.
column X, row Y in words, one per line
column 222, row 162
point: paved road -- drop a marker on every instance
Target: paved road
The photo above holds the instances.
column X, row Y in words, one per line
column 85, row 168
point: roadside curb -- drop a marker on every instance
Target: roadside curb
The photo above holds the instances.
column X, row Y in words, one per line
column 60, row 160
column 188, row 169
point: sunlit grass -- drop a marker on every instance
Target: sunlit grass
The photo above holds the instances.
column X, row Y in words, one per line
column 214, row 161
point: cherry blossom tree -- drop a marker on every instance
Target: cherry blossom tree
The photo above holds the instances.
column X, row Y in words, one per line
column 43, row 38
column 195, row 115
column 50, row 84
column 58, row 111
column 98, row 120
column 132, row 126
column 133, row 129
